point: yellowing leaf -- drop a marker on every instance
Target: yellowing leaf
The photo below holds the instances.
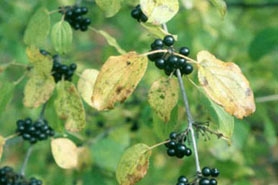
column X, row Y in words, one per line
column 117, row 79
column 225, row 84
column 41, row 84
column 110, row 7
column 86, row 84
column 38, row 28
column 65, row 153
column 133, row 164
column 156, row 30
column 2, row 143
column 61, row 37
column 69, row 106
column 163, row 97
column 159, row 11
column 38, row 90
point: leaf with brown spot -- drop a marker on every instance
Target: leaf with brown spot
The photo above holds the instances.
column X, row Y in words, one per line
column 133, row 164
column 117, row 79
column 69, row 106
column 225, row 84
column 163, row 97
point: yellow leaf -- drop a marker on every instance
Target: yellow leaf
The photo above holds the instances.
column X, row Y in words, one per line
column 159, row 11
column 225, row 84
column 65, row 153
column 86, row 84
column 117, row 79
column 163, row 97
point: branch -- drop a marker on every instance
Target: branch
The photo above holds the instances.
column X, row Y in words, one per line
column 252, row 5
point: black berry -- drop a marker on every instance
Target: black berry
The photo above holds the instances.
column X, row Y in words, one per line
column 206, row 171
column 213, row 181
column 204, row 181
column 214, row 172
column 169, row 40
column 184, row 51
column 137, row 14
column 160, row 63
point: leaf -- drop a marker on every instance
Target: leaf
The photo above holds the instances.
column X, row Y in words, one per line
column 225, row 84
column 225, row 122
column 37, row 28
column 61, row 37
column 6, row 91
column 133, row 165
column 38, row 90
column 110, row 40
column 163, row 97
column 83, row 158
column 156, row 30
column 153, row 10
column 110, row 7
column 263, row 43
column 2, row 144
column 86, row 84
column 221, row 6
column 65, row 153
column 162, row 129
column 41, row 84
column 69, row 106
column 117, row 79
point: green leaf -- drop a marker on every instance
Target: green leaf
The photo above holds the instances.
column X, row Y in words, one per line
column 133, row 165
column 6, row 91
column 264, row 42
column 107, row 152
column 69, row 106
column 163, row 97
column 61, row 37
column 110, row 7
column 65, row 153
column 110, row 40
column 86, row 84
column 153, row 10
column 2, row 144
column 117, row 79
column 163, row 129
column 41, row 84
column 221, row 6
column 156, row 30
column 224, row 120
column 37, row 28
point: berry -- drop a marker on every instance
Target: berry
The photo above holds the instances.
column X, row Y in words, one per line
column 168, row 40
column 183, row 179
column 213, row 181
column 204, row 181
column 214, row 172
column 171, row 152
column 184, row 51
column 180, row 150
column 187, row 152
column 206, row 171
column 172, row 61
column 173, row 135
column 160, row 63
column 137, row 14
column 157, row 44
column 187, row 69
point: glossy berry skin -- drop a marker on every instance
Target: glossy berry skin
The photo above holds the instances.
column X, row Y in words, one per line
column 171, row 152
column 157, row 44
column 206, row 171
column 204, row 181
column 173, row 135
column 183, row 179
column 137, row 14
column 213, row 181
column 215, row 172
column 169, row 40
column 187, row 69
column 187, row 152
column 160, row 63
column 172, row 61
column 184, row 51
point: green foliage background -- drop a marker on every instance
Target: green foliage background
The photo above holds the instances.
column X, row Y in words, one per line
column 246, row 36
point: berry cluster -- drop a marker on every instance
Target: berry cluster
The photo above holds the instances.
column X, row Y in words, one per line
column 206, row 173
column 33, row 132
column 137, row 14
column 176, row 146
column 168, row 61
column 74, row 16
column 62, row 71
column 9, row 177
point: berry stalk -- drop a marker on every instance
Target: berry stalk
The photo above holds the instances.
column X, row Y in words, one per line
column 190, row 120
column 27, row 157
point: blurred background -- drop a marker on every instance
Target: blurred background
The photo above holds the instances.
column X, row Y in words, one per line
column 247, row 35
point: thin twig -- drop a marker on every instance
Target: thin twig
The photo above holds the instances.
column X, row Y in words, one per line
column 27, row 157
column 190, row 120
